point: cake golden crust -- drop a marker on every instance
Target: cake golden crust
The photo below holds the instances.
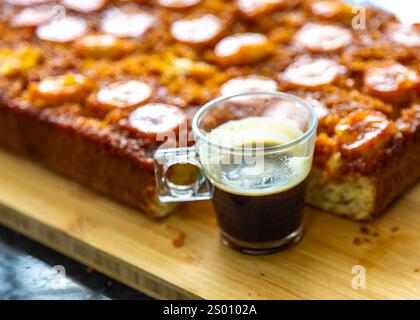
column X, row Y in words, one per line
column 62, row 102
column 86, row 152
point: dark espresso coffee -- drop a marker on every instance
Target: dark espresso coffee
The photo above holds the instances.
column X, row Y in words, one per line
column 259, row 219
column 258, row 196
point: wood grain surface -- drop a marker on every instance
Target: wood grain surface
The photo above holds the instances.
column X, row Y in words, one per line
column 182, row 257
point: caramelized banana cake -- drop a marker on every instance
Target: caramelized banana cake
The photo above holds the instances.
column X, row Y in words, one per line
column 86, row 87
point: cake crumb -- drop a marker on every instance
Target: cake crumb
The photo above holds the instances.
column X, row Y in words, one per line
column 357, row 241
column 89, row 269
column 179, row 241
column 364, row 230
column 417, row 270
column 262, row 274
column 395, row 229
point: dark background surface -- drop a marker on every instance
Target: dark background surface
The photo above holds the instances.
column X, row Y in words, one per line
column 29, row 270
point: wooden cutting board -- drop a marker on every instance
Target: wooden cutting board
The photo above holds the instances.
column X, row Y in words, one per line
column 181, row 257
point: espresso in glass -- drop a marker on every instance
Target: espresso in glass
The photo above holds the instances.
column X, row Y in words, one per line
column 259, row 192
column 246, row 221
column 255, row 153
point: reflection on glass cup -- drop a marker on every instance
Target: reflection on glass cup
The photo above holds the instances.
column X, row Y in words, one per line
column 252, row 156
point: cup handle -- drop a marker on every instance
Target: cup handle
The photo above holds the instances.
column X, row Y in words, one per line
column 180, row 176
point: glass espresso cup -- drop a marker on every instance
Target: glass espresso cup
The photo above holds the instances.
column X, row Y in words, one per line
column 252, row 155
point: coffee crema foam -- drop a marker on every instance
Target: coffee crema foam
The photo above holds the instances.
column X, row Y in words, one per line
column 255, row 172
column 255, row 132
